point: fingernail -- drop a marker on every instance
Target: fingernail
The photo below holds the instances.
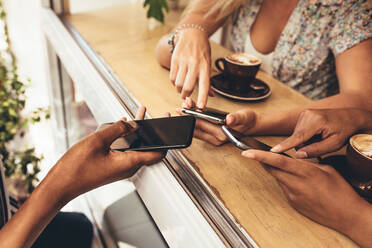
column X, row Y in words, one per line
column 230, row 118
column 248, row 154
column 276, row 148
column 301, row 154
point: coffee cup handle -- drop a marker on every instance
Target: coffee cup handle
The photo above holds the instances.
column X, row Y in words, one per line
column 218, row 64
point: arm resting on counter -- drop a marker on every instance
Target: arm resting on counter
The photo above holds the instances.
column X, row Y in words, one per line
column 354, row 71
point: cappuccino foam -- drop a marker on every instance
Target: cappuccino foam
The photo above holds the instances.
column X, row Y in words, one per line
column 363, row 144
column 244, row 59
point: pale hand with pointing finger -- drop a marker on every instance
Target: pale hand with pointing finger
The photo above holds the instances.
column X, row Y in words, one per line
column 191, row 64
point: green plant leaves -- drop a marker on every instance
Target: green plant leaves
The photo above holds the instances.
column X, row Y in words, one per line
column 16, row 85
column 155, row 9
column 12, row 122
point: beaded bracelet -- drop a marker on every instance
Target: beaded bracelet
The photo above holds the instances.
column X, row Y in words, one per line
column 173, row 34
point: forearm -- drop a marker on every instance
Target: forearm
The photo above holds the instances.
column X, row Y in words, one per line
column 283, row 123
column 31, row 219
column 360, row 227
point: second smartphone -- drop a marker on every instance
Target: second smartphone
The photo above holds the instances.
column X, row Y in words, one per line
column 212, row 115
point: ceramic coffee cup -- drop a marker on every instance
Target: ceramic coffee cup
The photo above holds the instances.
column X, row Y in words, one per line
column 359, row 156
column 239, row 65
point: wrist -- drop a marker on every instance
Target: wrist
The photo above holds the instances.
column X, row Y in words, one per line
column 51, row 193
column 365, row 120
column 358, row 223
column 56, row 188
column 174, row 35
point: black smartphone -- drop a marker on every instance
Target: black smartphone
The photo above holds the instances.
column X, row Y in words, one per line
column 247, row 143
column 157, row 134
column 212, row 115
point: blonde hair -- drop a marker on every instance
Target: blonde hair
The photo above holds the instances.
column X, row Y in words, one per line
column 219, row 9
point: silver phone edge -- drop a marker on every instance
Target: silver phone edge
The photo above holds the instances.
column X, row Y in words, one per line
column 211, row 119
column 234, row 140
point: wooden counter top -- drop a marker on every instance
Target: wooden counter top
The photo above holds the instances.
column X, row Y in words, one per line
column 124, row 38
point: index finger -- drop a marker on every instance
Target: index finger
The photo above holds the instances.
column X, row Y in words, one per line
column 298, row 137
column 140, row 115
column 275, row 160
column 204, row 85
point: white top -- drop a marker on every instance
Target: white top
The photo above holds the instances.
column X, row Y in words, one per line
column 266, row 59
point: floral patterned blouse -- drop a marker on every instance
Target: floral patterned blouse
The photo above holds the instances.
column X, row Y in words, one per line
column 316, row 32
